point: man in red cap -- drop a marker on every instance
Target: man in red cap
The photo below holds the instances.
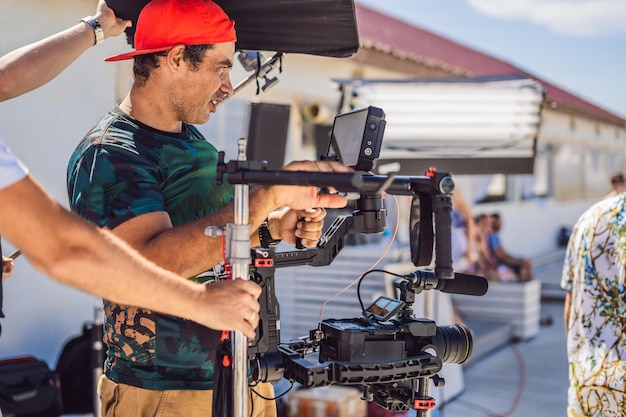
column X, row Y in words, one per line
column 145, row 172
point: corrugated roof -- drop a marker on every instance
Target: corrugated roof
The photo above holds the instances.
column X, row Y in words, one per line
column 404, row 40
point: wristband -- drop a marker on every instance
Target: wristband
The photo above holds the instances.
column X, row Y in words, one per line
column 98, row 33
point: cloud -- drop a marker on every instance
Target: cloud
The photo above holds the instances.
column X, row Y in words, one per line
column 580, row 18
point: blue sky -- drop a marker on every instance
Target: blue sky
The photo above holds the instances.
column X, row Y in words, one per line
column 578, row 45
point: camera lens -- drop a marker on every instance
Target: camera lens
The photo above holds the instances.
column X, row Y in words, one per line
column 454, row 343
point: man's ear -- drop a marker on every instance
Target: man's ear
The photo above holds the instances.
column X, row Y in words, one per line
column 174, row 58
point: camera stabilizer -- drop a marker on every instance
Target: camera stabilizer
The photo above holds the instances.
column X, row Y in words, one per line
column 392, row 359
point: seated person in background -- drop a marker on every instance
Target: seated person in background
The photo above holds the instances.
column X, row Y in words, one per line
column 522, row 267
column 463, row 235
column 485, row 265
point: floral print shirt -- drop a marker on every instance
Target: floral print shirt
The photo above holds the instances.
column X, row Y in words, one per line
column 594, row 273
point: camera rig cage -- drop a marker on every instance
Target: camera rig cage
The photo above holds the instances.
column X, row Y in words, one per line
column 392, row 359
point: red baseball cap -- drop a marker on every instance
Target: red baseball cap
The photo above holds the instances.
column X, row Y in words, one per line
column 162, row 24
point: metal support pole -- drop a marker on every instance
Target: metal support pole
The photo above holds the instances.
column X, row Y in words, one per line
column 97, row 358
column 238, row 255
column 424, row 402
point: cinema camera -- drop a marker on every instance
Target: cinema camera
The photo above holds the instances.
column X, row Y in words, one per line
column 388, row 352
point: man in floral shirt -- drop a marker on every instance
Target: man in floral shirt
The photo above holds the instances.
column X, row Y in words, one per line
column 594, row 275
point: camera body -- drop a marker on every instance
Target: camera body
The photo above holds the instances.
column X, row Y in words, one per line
column 411, row 348
column 363, row 340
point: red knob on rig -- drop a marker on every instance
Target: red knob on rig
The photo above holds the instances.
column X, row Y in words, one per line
column 424, row 403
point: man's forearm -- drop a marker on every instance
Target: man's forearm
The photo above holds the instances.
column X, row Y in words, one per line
column 185, row 249
column 34, row 65
column 78, row 253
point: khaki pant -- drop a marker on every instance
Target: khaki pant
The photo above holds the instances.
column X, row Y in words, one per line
column 121, row 400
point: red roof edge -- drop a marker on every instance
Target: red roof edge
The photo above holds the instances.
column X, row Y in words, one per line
column 403, row 39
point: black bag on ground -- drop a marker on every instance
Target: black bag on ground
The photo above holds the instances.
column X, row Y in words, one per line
column 75, row 368
column 28, row 388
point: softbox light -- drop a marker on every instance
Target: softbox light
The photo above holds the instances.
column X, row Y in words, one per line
column 464, row 126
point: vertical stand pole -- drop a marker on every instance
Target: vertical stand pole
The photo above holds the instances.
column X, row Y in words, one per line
column 423, row 402
column 238, row 255
column 97, row 358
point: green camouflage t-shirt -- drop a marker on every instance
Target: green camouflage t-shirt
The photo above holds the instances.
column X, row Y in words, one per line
column 123, row 169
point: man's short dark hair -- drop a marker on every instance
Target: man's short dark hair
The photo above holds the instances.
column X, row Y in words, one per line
column 617, row 179
column 145, row 64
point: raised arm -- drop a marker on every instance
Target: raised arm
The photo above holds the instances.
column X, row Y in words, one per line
column 32, row 66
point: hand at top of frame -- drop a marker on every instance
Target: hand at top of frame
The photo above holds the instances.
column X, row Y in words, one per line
column 111, row 24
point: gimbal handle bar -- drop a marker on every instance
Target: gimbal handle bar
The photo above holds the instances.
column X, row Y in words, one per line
column 433, row 189
column 254, row 172
column 343, row 182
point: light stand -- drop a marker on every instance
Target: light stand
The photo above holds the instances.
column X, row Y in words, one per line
column 237, row 238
